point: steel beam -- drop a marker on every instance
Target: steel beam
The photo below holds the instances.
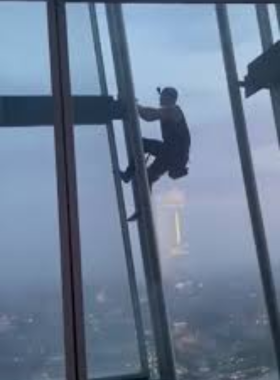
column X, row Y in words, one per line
column 38, row 110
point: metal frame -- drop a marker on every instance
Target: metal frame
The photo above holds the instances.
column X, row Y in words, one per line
column 147, row 231
column 67, row 195
column 38, row 110
column 120, row 198
column 249, row 177
column 267, row 41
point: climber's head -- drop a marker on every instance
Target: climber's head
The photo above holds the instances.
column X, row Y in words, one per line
column 168, row 96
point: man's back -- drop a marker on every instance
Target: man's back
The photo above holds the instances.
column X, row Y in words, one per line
column 174, row 127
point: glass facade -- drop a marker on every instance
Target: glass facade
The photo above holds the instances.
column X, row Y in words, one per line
column 183, row 292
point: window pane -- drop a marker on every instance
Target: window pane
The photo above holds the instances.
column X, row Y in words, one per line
column 31, row 326
column 110, row 328
column 24, row 64
column 31, row 329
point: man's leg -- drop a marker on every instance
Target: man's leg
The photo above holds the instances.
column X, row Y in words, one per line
column 150, row 146
column 179, row 158
column 155, row 171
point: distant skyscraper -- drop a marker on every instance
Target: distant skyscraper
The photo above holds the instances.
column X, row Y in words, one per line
column 171, row 223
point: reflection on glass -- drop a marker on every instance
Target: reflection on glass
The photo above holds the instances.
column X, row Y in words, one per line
column 219, row 322
column 110, row 328
column 31, row 329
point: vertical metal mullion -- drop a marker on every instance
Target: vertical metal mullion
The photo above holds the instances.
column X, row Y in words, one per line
column 67, row 196
column 249, row 177
column 120, row 197
column 146, row 226
column 267, row 41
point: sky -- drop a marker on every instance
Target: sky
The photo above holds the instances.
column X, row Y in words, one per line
column 169, row 45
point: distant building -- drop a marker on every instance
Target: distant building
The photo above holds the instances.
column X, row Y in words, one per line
column 171, row 222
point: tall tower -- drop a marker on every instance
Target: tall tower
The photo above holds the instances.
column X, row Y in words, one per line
column 171, row 222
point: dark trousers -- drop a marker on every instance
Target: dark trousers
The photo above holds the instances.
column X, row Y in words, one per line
column 166, row 157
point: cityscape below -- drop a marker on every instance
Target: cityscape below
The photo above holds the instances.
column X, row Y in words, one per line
column 210, row 341
column 218, row 323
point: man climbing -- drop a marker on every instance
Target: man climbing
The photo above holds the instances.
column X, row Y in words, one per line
column 171, row 155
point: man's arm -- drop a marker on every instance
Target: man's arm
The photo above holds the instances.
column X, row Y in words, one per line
column 152, row 114
column 163, row 114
